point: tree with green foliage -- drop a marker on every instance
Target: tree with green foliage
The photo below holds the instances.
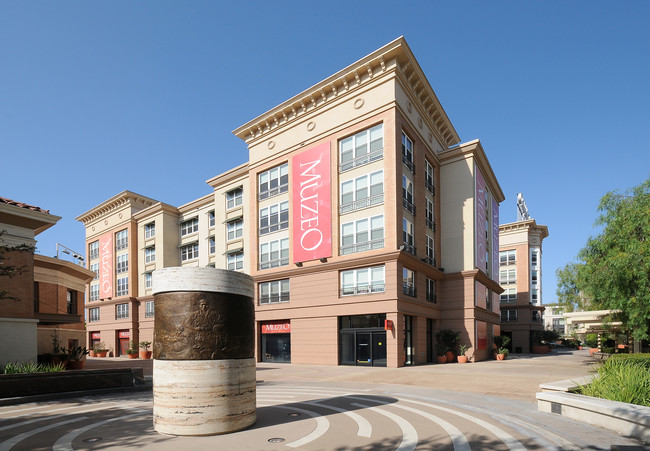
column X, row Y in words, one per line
column 614, row 267
column 8, row 270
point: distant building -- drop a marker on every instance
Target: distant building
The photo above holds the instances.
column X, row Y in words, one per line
column 554, row 318
column 45, row 298
column 365, row 222
column 520, row 275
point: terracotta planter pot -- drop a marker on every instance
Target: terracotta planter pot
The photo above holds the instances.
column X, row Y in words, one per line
column 145, row 354
column 75, row 364
column 442, row 359
column 501, row 356
column 132, row 355
column 579, row 348
column 462, row 359
column 450, row 356
column 101, row 353
column 91, row 353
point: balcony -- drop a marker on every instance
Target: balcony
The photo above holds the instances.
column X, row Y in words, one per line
column 362, row 247
column 363, row 289
column 431, row 297
column 408, row 248
column 361, row 160
column 431, row 224
column 409, row 289
column 274, row 263
column 362, row 203
column 429, row 186
column 430, row 260
column 408, row 205
column 273, row 192
column 409, row 164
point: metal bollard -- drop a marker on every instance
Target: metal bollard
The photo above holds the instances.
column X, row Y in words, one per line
column 204, row 362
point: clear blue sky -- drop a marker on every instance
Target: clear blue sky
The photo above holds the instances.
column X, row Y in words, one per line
column 99, row 97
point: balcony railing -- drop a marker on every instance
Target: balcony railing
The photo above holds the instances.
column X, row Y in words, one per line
column 363, row 289
column 273, row 192
column 409, row 289
column 362, row 247
column 408, row 205
column 408, row 248
column 431, row 224
column 509, row 299
column 275, row 298
column 429, row 186
column 430, row 260
column 409, row 164
column 431, row 297
column 361, row 160
column 274, row 263
column 361, row 203
column 273, row 227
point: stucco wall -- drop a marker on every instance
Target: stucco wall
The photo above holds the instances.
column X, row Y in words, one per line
column 17, row 340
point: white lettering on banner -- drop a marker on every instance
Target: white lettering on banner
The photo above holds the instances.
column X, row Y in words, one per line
column 309, row 206
column 276, row 328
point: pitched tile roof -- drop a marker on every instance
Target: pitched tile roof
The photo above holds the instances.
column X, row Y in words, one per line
column 4, row 200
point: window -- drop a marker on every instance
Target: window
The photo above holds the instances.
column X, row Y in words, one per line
column 535, row 296
column 431, row 257
column 534, row 276
column 212, row 244
column 535, row 316
column 428, row 177
column 93, row 314
column 150, row 254
column 121, row 240
column 274, row 292
column 507, row 258
column 362, row 192
column 149, row 311
column 94, row 267
column 274, row 253
column 533, row 258
column 362, row 235
column 509, row 296
column 150, row 230
column 235, row 229
column 93, row 250
column 408, row 282
column 121, row 311
column 189, row 251
column 429, row 215
column 94, row 292
column 189, row 226
column 407, row 152
column 361, row 148
column 236, row 261
column 234, row 198
column 147, row 280
column 407, row 235
column 211, row 218
column 274, row 181
column 363, row 281
column 508, row 315
column 122, row 286
column 407, row 194
column 71, row 302
column 274, row 218
column 122, row 263
column 431, row 290
column 508, row 276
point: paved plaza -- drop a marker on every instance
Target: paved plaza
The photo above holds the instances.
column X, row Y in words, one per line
column 485, row 405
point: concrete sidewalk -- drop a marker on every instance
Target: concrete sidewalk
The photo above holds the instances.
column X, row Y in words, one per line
column 518, row 377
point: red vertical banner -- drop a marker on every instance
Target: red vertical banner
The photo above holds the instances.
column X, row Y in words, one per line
column 106, row 266
column 481, row 218
column 312, row 205
column 495, row 240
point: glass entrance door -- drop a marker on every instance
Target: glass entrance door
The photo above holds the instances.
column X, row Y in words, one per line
column 364, row 351
column 379, row 348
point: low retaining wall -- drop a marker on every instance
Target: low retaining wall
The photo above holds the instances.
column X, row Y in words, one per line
column 32, row 384
column 626, row 419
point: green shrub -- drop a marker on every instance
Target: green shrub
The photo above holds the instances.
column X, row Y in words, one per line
column 591, row 340
column 31, row 367
column 624, row 378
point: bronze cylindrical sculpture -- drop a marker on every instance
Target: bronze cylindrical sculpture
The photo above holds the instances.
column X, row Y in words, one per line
column 204, row 356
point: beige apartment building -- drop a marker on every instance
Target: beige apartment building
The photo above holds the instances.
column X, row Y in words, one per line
column 520, row 259
column 365, row 222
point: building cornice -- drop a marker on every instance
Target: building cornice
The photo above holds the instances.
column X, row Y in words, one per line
column 228, row 176
column 155, row 209
column 64, row 266
column 36, row 220
column 395, row 56
column 197, row 203
column 529, row 225
column 474, row 149
column 125, row 198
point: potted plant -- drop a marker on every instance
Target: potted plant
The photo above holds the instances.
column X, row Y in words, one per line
column 448, row 338
column 145, row 353
column 462, row 358
column 442, row 357
column 100, row 349
column 502, row 342
column 74, row 357
column 132, row 352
